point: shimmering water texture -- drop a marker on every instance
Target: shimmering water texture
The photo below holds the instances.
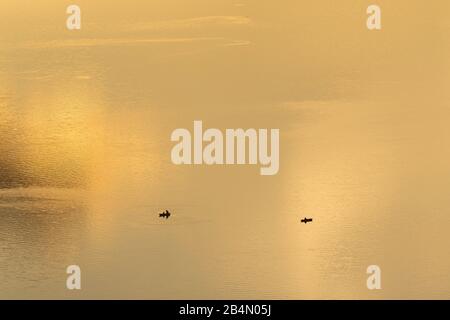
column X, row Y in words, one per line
column 85, row 168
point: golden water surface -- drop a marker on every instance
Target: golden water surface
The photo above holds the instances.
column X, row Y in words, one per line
column 85, row 123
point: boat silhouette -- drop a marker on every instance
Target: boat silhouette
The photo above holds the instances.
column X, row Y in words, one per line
column 165, row 214
column 306, row 220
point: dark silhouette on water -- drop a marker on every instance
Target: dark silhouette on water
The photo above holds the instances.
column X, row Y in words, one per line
column 165, row 214
column 306, row 220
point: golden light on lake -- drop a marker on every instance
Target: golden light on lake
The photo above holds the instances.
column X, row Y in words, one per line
column 88, row 108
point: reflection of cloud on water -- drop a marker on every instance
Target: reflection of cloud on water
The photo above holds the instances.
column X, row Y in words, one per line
column 190, row 23
column 41, row 200
column 102, row 42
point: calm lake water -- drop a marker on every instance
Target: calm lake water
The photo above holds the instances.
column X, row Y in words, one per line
column 85, row 124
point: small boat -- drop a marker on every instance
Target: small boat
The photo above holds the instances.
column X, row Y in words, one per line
column 165, row 214
column 306, row 220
